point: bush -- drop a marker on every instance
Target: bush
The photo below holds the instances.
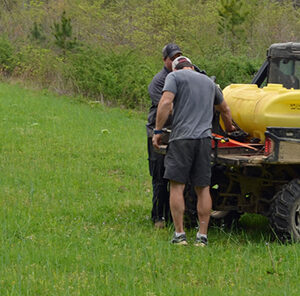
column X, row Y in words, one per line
column 7, row 62
column 120, row 78
column 229, row 68
column 37, row 64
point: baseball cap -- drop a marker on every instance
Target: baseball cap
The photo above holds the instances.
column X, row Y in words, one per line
column 170, row 50
column 186, row 62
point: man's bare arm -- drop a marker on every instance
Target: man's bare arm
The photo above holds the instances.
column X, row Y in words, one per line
column 164, row 108
column 225, row 112
column 163, row 111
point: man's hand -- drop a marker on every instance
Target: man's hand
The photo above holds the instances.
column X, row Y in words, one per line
column 224, row 110
column 232, row 129
column 156, row 140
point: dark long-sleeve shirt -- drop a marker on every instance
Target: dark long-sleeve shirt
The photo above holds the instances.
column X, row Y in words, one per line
column 155, row 92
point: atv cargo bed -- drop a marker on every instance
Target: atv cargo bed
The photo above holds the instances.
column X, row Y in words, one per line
column 282, row 146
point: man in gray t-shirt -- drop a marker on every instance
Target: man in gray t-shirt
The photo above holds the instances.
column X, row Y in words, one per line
column 193, row 105
column 192, row 96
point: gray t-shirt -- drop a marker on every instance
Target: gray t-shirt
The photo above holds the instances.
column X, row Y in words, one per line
column 195, row 96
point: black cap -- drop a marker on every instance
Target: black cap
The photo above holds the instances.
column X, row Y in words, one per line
column 170, row 50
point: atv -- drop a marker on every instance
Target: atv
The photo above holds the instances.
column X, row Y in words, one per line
column 257, row 168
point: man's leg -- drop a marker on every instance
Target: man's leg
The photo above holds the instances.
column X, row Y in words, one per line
column 160, row 198
column 204, row 205
column 177, row 205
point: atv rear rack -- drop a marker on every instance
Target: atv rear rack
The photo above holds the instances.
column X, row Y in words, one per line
column 282, row 146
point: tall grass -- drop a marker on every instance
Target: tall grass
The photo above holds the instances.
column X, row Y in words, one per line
column 75, row 200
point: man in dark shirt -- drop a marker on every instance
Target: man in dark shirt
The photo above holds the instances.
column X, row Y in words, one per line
column 192, row 97
column 160, row 213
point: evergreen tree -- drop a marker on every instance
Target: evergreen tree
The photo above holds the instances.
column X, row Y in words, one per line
column 232, row 15
column 37, row 32
column 63, row 34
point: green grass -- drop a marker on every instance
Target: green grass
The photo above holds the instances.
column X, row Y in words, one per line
column 75, row 201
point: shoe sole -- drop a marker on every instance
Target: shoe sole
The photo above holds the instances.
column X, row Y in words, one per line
column 200, row 245
column 183, row 243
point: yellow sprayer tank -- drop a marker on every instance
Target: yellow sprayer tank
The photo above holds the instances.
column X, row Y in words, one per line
column 254, row 109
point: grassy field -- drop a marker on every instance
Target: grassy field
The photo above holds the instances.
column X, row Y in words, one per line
column 75, row 199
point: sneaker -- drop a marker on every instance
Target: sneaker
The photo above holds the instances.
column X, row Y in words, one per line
column 160, row 224
column 201, row 241
column 179, row 240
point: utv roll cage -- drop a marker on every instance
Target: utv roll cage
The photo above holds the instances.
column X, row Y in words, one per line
column 281, row 67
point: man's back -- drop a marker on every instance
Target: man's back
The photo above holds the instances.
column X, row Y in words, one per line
column 195, row 95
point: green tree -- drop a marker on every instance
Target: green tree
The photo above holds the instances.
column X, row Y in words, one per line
column 36, row 33
column 63, row 34
column 232, row 15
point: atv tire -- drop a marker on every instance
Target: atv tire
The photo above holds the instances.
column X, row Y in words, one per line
column 285, row 212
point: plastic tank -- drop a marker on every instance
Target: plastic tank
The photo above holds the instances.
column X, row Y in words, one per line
column 254, row 109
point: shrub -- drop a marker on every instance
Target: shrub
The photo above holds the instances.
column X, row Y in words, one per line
column 229, row 68
column 7, row 61
column 120, row 78
column 37, row 64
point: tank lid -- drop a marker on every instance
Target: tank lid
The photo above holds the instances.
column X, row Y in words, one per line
column 284, row 50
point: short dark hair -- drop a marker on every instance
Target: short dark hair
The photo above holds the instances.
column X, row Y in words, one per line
column 182, row 65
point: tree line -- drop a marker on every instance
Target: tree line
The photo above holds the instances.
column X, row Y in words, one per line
column 109, row 50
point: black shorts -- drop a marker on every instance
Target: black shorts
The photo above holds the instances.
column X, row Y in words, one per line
column 189, row 161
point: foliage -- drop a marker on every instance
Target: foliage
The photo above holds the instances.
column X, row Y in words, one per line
column 6, row 56
column 232, row 15
column 118, row 43
column 229, row 68
column 8, row 4
column 63, row 34
column 36, row 32
column 120, row 78
column 36, row 64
